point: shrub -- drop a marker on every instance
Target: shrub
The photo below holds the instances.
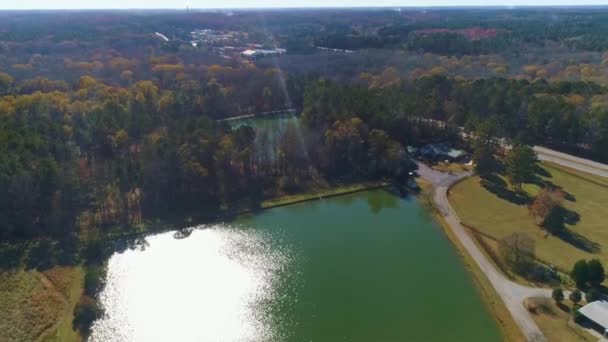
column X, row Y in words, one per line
column 517, row 250
column 85, row 313
column 580, row 273
column 547, row 209
column 575, row 297
column 558, row 295
column 596, row 273
column 93, row 280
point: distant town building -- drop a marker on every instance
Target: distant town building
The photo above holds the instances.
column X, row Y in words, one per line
column 261, row 53
column 334, row 50
column 211, row 37
column 231, row 44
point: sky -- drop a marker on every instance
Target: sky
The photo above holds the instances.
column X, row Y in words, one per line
column 131, row 4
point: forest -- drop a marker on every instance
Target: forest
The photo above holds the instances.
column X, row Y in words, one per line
column 106, row 126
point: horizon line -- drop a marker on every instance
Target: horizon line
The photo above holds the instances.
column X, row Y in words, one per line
column 306, row 7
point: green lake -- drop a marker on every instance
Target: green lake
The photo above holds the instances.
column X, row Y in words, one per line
column 363, row 267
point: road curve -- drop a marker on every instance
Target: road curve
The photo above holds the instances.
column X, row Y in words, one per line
column 511, row 293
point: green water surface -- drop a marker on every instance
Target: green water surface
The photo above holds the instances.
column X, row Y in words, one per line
column 363, row 267
column 369, row 267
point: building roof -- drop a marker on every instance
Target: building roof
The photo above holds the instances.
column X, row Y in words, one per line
column 596, row 311
column 442, row 150
column 456, row 153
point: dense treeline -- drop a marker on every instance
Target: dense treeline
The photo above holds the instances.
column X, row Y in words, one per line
column 89, row 155
column 562, row 115
column 96, row 156
column 47, row 33
column 62, row 46
column 567, row 115
column 579, row 28
column 107, row 127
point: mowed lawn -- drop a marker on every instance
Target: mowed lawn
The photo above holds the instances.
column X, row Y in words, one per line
column 38, row 306
column 498, row 217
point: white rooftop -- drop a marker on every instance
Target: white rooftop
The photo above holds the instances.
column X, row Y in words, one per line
column 596, row 311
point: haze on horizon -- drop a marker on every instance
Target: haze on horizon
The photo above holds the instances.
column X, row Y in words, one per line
column 227, row 4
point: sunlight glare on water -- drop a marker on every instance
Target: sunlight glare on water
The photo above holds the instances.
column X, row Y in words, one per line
column 210, row 286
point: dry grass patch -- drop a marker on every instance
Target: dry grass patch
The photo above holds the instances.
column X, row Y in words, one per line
column 555, row 322
column 451, row 167
column 33, row 305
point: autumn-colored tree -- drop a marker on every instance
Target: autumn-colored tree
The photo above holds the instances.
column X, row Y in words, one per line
column 518, row 251
column 547, row 208
column 6, row 81
column 127, row 76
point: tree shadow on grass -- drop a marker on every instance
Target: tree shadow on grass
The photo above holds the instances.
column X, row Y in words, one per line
column 579, row 241
column 563, row 307
column 550, row 185
column 559, row 217
column 540, row 171
column 496, row 185
column 556, row 224
column 539, row 177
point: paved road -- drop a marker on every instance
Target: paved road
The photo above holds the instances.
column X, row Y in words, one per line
column 560, row 158
column 512, row 294
column 573, row 162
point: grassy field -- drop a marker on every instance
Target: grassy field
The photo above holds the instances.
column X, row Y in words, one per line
column 38, row 306
column 498, row 212
column 556, row 322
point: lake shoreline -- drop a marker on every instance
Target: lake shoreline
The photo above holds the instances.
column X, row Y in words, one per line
column 489, row 298
column 164, row 225
column 313, row 227
column 509, row 330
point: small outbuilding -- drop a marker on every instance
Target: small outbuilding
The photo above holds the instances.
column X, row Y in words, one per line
column 597, row 312
column 442, row 152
